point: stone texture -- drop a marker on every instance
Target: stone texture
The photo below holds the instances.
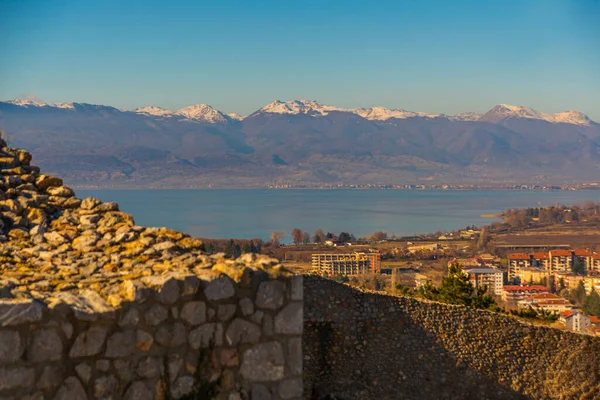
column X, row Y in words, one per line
column 144, row 340
column 263, row 362
column 71, row 389
column 206, row 335
column 45, row 346
column 294, row 355
column 121, row 344
column 150, row 367
column 11, row 347
column 182, row 386
column 225, row 312
column 138, row 391
column 84, row 371
column 259, row 392
column 194, row 312
column 171, row 335
column 51, row 377
column 290, row 388
column 242, row 331
column 89, row 342
column 289, row 319
column 156, row 314
column 106, row 387
column 19, row 311
column 246, row 306
column 16, row 377
column 270, row 295
column 219, row 289
column 297, row 288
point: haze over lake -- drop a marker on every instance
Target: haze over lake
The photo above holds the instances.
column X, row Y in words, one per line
column 239, row 213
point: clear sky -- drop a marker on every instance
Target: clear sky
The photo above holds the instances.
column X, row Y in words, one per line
column 435, row 56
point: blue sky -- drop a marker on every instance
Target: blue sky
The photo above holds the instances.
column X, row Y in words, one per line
column 435, row 56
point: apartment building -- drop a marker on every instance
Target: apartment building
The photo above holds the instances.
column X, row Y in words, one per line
column 575, row 320
column 517, row 261
column 516, row 293
column 561, row 260
column 490, row 277
column 356, row 263
column 547, row 302
column 533, row 275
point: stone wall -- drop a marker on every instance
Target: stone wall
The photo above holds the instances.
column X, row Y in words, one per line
column 371, row 346
column 79, row 347
column 93, row 306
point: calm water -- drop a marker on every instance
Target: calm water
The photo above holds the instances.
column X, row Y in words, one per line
column 244, row 213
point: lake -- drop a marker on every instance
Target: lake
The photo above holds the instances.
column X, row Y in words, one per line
column 252, row 213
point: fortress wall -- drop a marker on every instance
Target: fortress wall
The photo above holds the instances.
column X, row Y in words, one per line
column 370, row 346
column 77, row 346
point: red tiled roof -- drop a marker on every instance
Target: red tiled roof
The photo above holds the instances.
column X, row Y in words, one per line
column 518, row 256
column 594, row 319
column 540, row 256
column 530, row 288
column 567, row 314
column 560, row 253
column 582, row 252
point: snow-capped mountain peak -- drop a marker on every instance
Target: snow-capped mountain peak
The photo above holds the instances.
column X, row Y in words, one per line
column 382, row 113
column 298, row 107
column 235, row 116
column 27, row 103
column 504, row 111
column 202, row 112
column 153, row 110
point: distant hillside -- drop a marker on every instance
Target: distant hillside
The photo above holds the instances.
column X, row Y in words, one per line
column 199, row 146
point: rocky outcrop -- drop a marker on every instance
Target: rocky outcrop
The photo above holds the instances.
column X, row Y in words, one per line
column 93, row 306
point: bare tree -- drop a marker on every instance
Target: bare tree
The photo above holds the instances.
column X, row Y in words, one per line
column 297, row 236
column 277, row 237
column 319, row 236
column 306, row 238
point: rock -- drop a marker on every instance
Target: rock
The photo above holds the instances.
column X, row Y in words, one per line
column 294, row 355
column 290, row 388
column 130, row 319
column 144, row 340
column 55, row 238
column 263, row 362
column 150, row 367
column 289, row 319
column 89, row 203
column 51, row 377
column 19, row 311
column 259, row 392
column 84, row 371
column 242, row 331
column 166, row 286
column 138, row 391
column 270, row 295
column 15, row 377
column 155, row 315
column 182, row 386
column 60, row 191
column 246, row 306
column 229, row 357
column 219, row 289
column 297, row 290
column 45, row 346
column 171, row 335
column 120, row 344
column 206, row 335
column 225, row 312
column 43, row 182
column 11, row 347
column 194, row 313
column 106, row 387
column 163, row 246
column 89, row 342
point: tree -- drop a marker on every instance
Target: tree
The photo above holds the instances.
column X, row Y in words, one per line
column 578, row 294
column 379, row 235
column 578, row 267
column 592, row 303
column 297, row 236
column 484, row 238
column 344, row 237
column 305, row 237
column 319, row 236
column 277, row 237
column 232, row 249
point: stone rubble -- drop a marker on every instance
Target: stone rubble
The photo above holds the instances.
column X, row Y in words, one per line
column 93, row 306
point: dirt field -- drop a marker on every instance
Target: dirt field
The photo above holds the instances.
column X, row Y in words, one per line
column 574, row 236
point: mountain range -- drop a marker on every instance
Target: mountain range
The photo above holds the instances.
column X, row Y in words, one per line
column 302, row 141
